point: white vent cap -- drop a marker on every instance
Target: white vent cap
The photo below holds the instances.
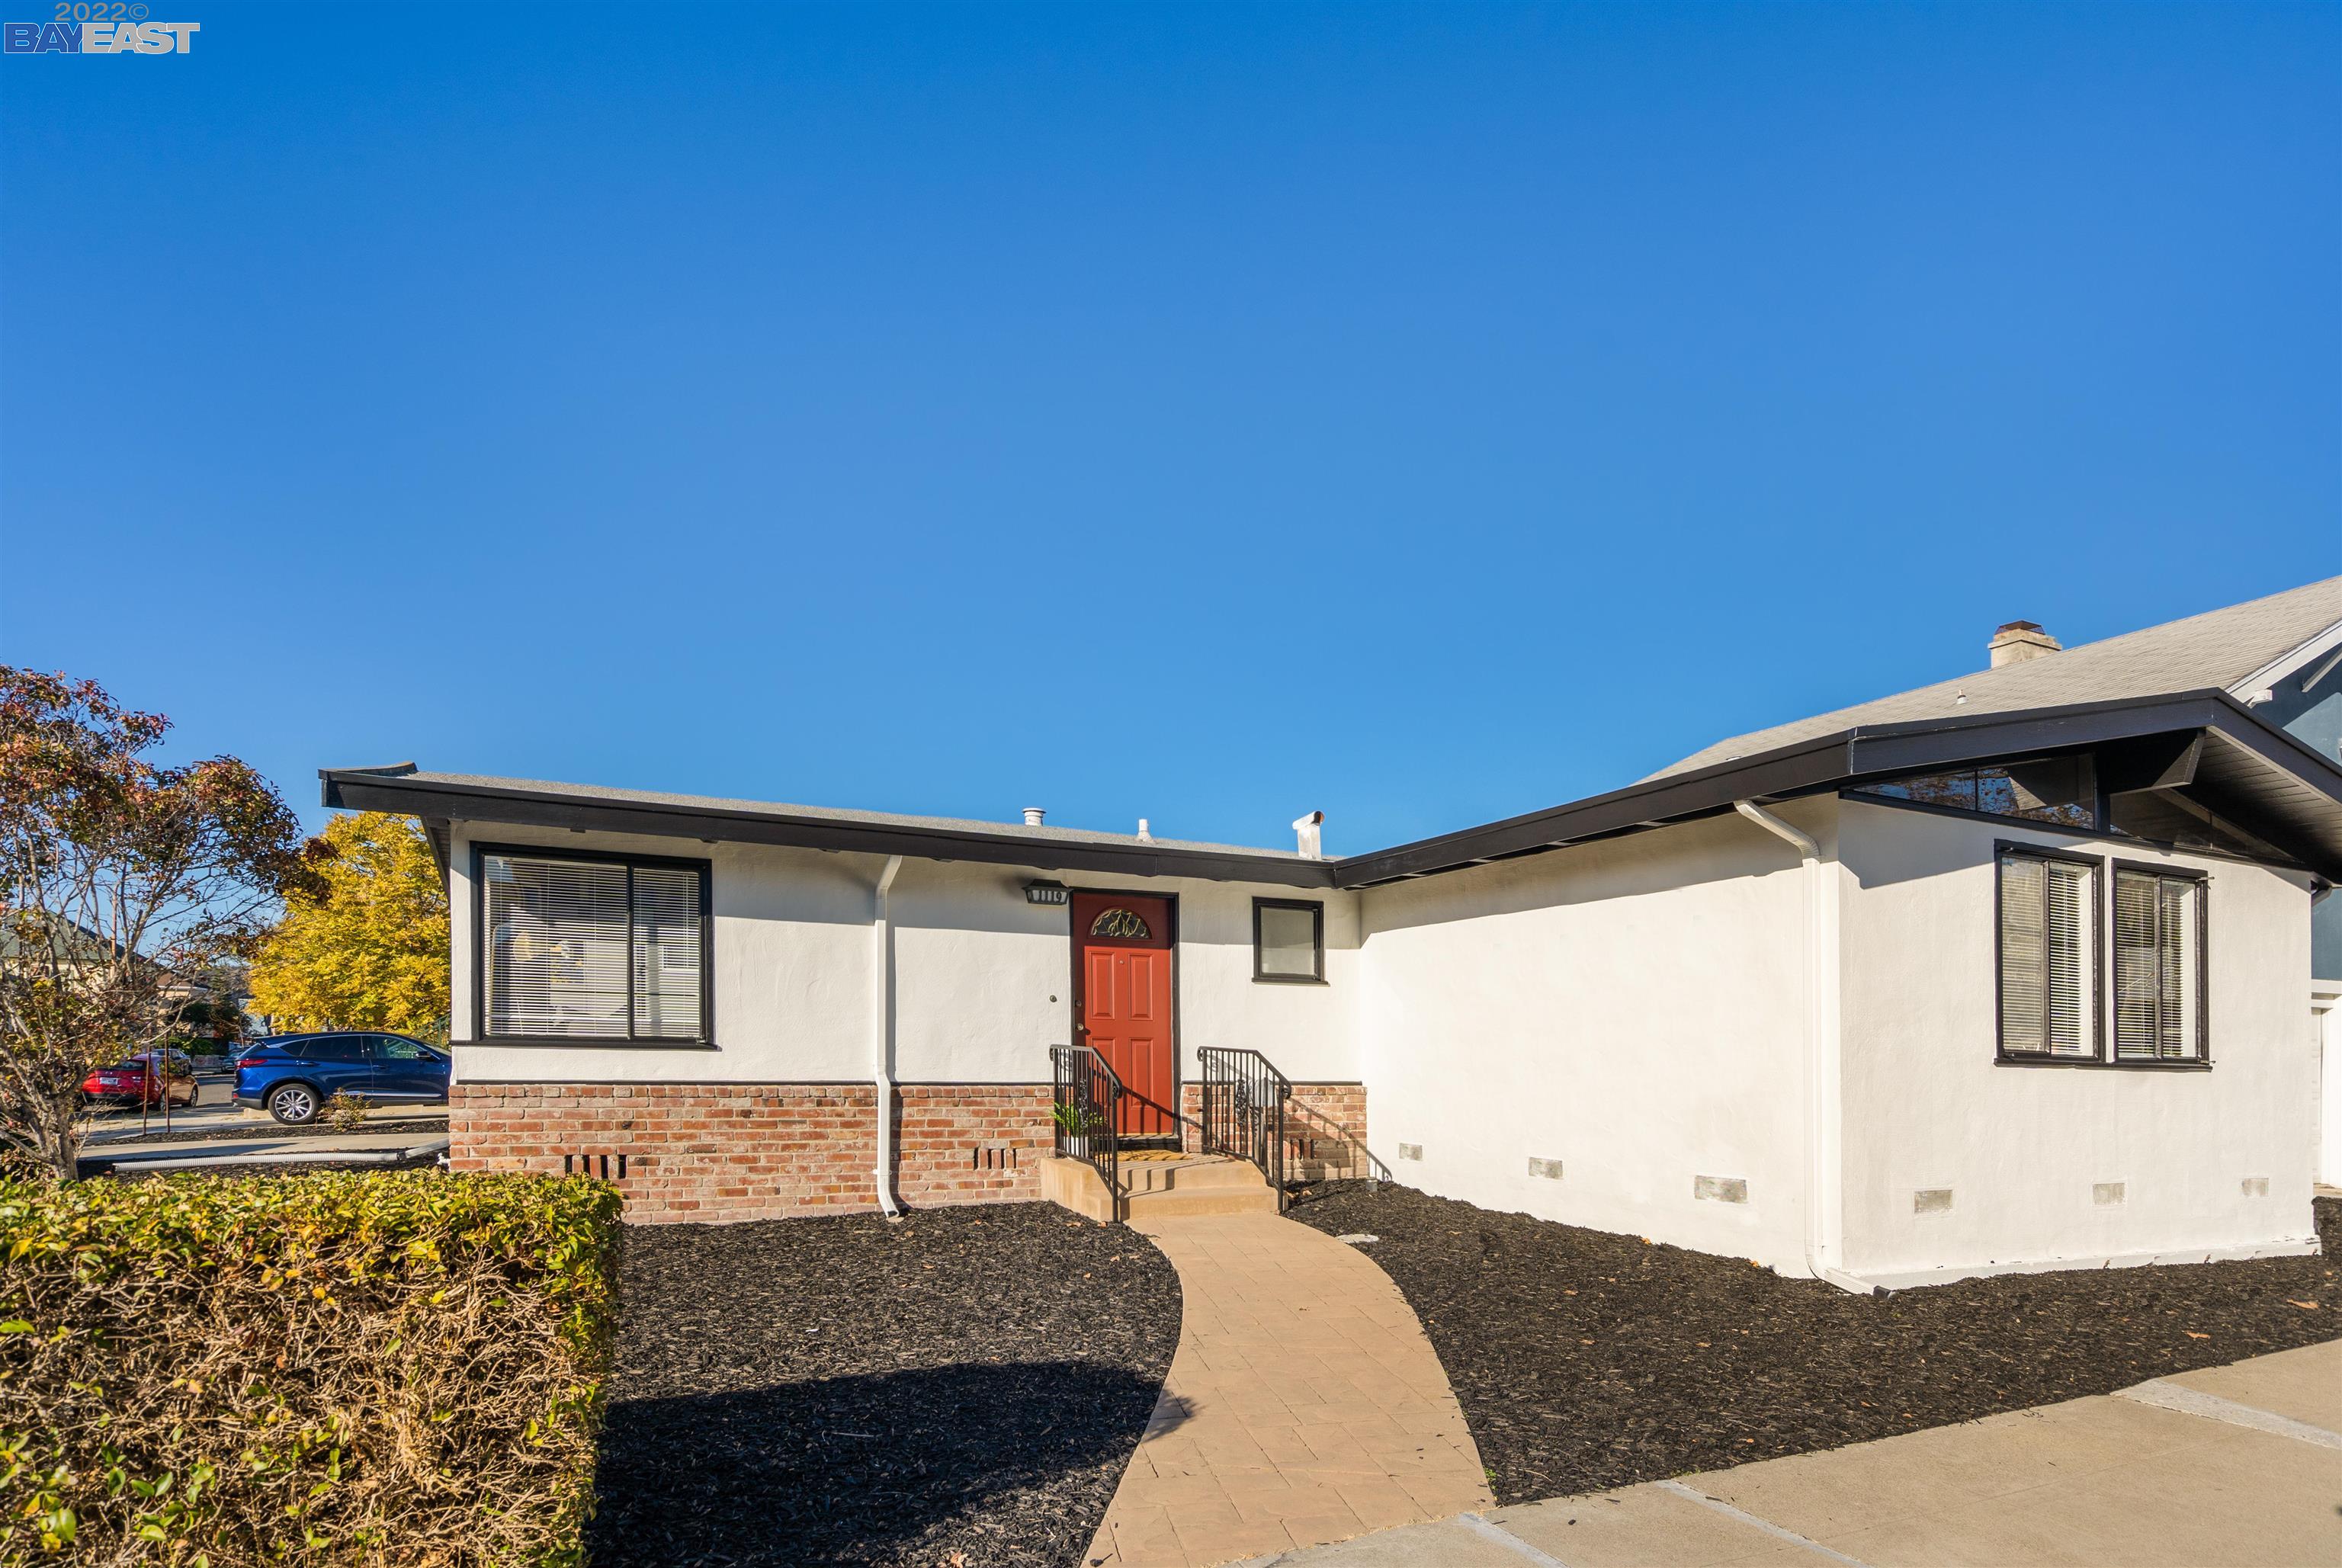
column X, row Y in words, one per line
column 1305, row 830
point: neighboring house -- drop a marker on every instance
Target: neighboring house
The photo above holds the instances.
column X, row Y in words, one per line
column 83, row 953
column 2006, row 973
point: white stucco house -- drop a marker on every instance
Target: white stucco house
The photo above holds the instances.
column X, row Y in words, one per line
column 2010, row 972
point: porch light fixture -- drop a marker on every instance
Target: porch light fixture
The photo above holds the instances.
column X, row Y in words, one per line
column 1045, row 893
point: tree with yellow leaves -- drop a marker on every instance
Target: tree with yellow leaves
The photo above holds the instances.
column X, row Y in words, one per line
column 371, row 952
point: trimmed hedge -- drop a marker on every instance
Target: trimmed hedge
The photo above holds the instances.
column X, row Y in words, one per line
column 335, row 1368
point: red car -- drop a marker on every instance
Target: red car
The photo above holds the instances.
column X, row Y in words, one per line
column 136, row 1081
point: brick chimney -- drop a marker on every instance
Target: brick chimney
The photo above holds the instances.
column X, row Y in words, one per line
column 2017, row 641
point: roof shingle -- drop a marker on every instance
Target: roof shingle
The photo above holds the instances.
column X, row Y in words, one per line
column 2215, row 649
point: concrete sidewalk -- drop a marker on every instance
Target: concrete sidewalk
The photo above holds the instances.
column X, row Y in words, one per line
column 2238, row 1464
column 263, row 1150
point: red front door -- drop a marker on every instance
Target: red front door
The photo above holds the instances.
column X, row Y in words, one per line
column 1122, row 943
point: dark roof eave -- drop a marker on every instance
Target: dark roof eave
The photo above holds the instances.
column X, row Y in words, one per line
column 364, row 790
column 2306, row 781
column 1828, row 763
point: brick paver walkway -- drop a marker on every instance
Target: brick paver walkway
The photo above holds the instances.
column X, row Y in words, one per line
column 1304, row 1405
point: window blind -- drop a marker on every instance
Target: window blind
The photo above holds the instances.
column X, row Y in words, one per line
column 666, row 954
column 2157, row 991
column 586, row 950
column 2049, row 1002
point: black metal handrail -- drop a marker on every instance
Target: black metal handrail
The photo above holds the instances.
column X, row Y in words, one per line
column 1244, row 1110
column 1087, row 1107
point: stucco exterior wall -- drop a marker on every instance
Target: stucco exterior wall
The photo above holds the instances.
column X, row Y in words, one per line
column 1614, row 1034
column 2023, row 1149
column 981, row 978
column 1634, row 1008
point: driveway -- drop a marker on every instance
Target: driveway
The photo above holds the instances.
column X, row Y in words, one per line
column 2238, row 1464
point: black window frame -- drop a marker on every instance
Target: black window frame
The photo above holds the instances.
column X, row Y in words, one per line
column 2002, row 850
column 2203, row 880
column 1316, row 942
column 2102, row 976
column 706, row 870
column 1870, row 791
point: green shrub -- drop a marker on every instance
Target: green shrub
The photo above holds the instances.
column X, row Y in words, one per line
column 333, row 1368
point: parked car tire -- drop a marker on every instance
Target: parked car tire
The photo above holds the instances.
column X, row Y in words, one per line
column 294, row 1103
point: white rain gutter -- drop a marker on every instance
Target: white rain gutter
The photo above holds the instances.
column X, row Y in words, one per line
column 1824, row 1214
column 882, row 1032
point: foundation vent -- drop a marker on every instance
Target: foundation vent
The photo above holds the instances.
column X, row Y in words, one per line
column 1549, row 1169
column 607, row 1166
column 1932, row 1201
column 992, row 1157
column 1720, row 1189
column 2256, row 1186
column 2106, row 1195
column 1410, row 1151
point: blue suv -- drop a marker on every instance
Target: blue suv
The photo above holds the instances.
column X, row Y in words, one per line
column 293, row 1075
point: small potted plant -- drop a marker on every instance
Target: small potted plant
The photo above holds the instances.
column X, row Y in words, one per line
column 1076, row 1124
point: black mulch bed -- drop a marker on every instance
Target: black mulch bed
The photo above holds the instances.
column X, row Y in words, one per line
column 1586, row 1360
column 843, row 1389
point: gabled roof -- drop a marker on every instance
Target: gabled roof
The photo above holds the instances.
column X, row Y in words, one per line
column 2220, row 649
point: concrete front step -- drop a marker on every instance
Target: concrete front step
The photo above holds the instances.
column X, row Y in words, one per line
column 1189, row 1172
column 1195, row 1185
column 1255, row 1199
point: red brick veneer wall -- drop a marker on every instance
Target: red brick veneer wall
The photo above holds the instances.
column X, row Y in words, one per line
column 1325, row 1128
column 757, row 1150
column 970, row 1142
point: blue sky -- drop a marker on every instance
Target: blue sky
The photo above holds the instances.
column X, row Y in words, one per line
column 1206, row 413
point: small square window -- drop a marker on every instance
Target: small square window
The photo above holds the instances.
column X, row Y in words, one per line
column 1289, row 940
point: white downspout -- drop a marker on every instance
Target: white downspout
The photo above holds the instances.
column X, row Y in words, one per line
column 882, row 1032
column 1822, row 1130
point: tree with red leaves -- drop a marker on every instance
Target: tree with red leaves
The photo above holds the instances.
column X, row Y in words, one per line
column 116, row 874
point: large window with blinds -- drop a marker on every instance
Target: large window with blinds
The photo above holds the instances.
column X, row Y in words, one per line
column 592, row 948
column 2049, row 955
column 2158, row 928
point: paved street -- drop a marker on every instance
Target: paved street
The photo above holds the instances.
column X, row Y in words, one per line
column 216, row 1110
column 117, row 1136
column 2239, row 1464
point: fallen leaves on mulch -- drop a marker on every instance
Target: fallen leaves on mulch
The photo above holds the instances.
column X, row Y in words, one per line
column 1586, row 1360
column 965, row 1386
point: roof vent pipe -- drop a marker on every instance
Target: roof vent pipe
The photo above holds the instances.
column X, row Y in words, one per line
column 1305, row 830
column 2017, row 641
column 1144, row 836
column 1032, row 815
